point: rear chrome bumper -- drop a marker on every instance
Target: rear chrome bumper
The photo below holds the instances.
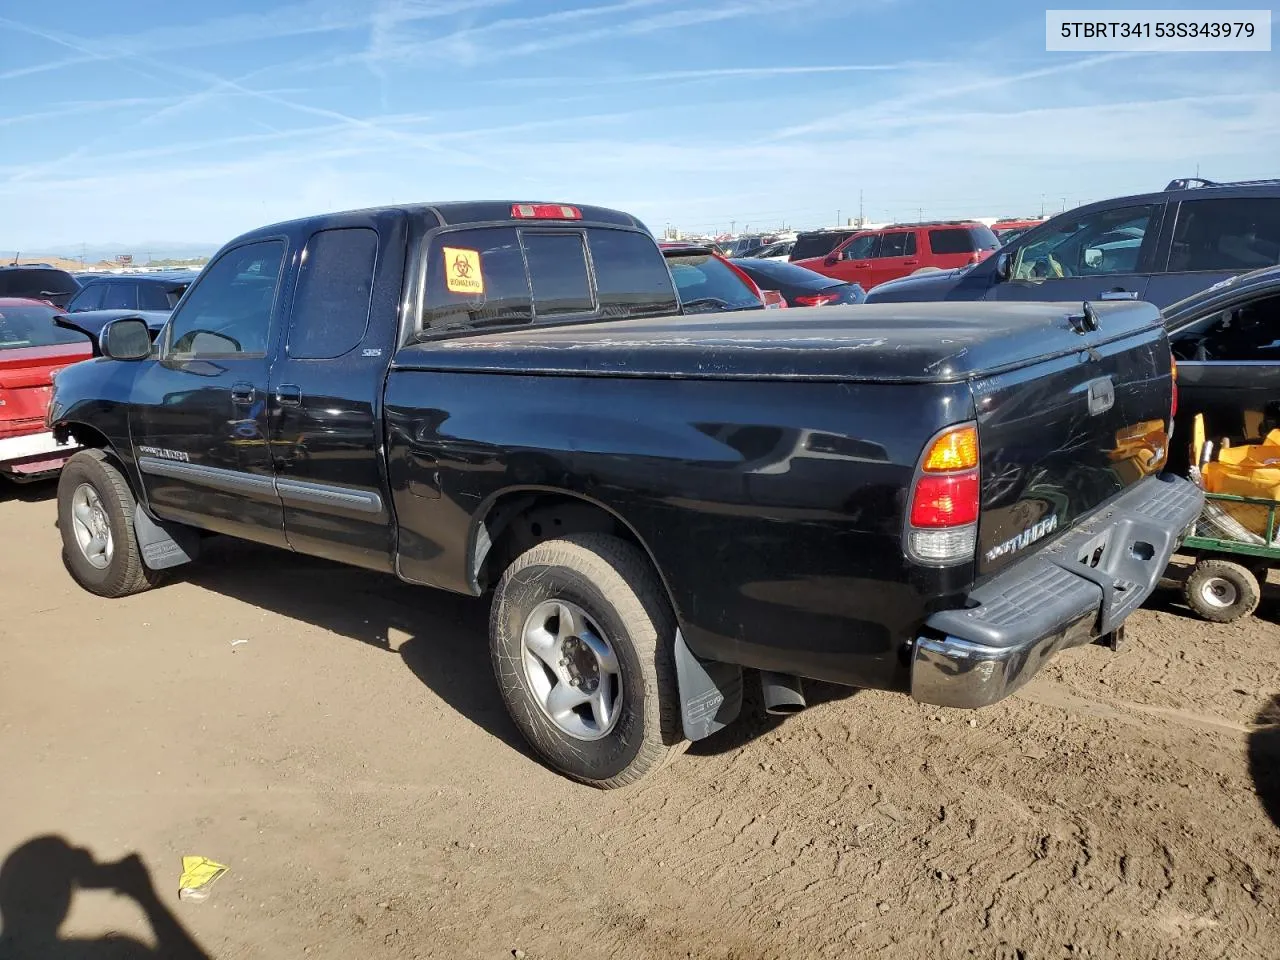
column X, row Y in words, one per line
column 1081, row 586
column 33, row 455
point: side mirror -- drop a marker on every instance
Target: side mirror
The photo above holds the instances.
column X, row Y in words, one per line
column 125, row 339
column 1004, row 266
column 831, row 259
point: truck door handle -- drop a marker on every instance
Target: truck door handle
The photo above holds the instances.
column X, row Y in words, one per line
column 242, row 393
column 289, row 395
column 1119, row 295
column 910, row 263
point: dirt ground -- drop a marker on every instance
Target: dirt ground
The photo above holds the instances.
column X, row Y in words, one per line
column 352, row 764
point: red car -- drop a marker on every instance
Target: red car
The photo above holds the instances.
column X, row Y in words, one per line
column 708, row 283
column 872, row 257
column 32, row 351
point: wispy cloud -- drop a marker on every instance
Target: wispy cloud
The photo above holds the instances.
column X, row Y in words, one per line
column 554, row 30
column 943, row 91
column 294, row 20
column 71, row 109
column 721, row 73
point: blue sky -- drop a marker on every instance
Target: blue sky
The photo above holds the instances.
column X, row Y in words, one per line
column 147, row 122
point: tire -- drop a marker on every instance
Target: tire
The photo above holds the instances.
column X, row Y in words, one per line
column 1221, row 591
column 615, row 599
column 921, row 270
column 90, row 478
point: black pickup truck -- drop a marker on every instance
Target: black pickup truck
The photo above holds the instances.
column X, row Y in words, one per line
column 497, row 397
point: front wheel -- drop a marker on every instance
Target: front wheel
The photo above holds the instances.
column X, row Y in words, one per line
column 582, row 637
column 1222, row 591
column 95, row 517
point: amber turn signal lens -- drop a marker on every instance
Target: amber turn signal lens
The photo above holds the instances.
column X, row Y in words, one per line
column 955, row 450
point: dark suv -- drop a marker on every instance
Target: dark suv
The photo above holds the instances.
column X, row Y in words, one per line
column 153, row 292
column 1159, row 247
column 38, row 283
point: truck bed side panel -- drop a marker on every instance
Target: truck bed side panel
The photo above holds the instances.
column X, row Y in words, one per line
column 773, row 510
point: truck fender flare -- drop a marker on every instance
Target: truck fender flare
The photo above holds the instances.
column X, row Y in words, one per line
column 710, row 691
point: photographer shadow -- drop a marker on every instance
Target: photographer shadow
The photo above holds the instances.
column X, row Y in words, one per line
column 37, row 883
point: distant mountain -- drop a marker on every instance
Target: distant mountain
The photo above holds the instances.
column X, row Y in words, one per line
column 91, row 252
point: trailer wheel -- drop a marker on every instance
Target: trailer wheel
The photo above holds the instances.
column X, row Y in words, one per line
column 95, row 517
column 582, row 636
column 1221, row 591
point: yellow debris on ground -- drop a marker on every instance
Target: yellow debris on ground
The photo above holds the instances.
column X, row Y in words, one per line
column 198, row 873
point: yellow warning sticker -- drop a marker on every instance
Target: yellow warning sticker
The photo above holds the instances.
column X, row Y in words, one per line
column 462, row 271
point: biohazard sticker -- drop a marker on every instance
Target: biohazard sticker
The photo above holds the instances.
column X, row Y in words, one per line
column 462, row 271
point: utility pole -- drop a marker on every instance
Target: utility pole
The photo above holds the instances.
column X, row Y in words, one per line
column 837, row 216
column 1064, row 204
column 919, row 214
column 1042, row 206
column 861, row 220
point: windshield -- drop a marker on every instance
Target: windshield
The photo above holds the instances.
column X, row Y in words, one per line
column 706, row 284
column 33, row 327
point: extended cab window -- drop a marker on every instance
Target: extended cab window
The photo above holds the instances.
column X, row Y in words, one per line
column 335, row 284
column 1097, row 244
column 1233, row 234
column 228, row 314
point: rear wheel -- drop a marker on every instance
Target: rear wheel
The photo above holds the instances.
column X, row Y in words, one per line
column 95, row 518
column 1221, row 590
column 582, row 635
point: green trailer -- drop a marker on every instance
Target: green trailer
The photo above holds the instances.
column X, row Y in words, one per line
column 1231, row 561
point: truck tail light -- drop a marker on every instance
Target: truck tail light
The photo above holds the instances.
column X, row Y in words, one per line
column 817, row 299
column 945, row 499
column 544, row 211
column 1173, row 406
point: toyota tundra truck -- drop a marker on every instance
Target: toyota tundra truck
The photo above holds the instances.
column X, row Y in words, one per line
column 504, row 400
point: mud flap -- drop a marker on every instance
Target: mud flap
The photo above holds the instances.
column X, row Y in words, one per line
column 710, row 692
column 164, row 545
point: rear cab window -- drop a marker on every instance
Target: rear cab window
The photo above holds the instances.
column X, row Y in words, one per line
column 511, row 276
